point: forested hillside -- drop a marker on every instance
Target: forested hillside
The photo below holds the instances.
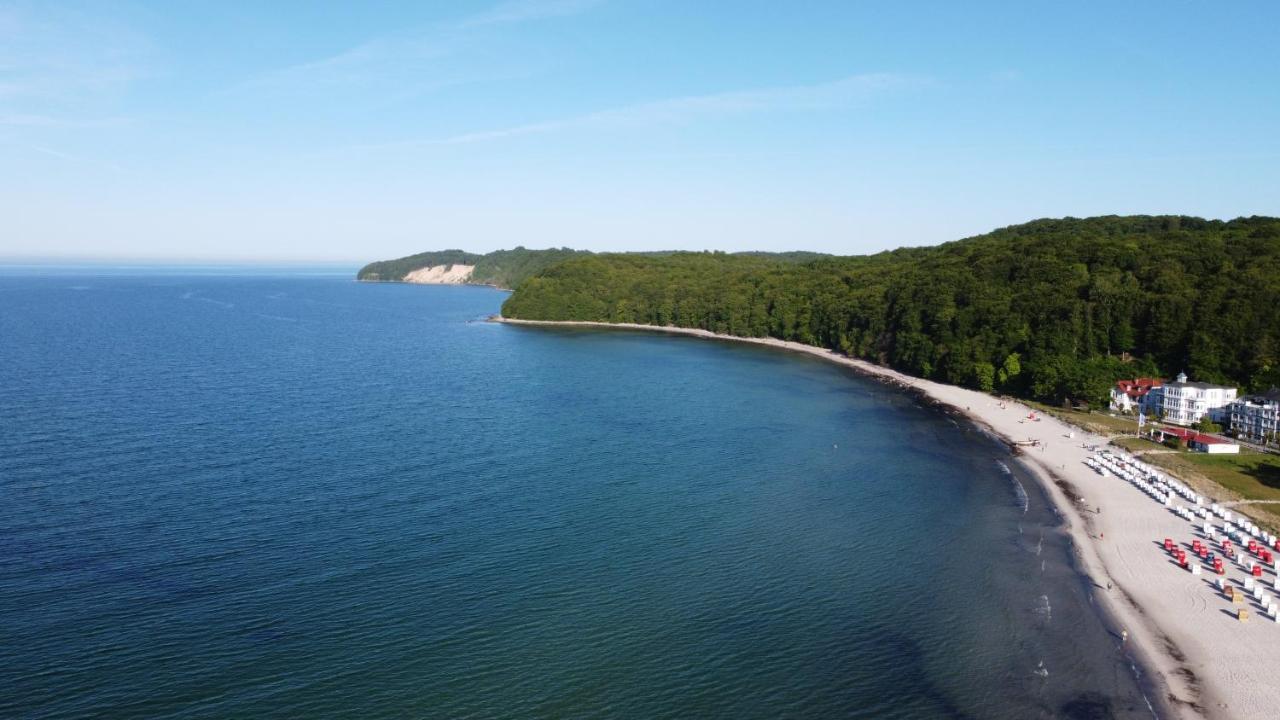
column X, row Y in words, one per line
column 1053, row 309
column 508, row 268
column 503, row 268
column 395, row 270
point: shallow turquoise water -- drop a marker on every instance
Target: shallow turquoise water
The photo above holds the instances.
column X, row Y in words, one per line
column 286, row 496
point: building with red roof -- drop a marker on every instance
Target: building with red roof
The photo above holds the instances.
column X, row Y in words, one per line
column 1131, row 395
column 1197, row 441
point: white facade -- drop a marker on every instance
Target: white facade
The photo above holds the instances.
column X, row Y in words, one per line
column 1132, row 395
column 1185, row 403
column 1120, row 400
column 1256, row 418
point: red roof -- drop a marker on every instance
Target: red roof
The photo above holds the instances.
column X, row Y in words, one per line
column 1190, row 436
column 1138, row 387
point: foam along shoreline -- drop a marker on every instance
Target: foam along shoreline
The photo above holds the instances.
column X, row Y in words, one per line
column 1180, row 627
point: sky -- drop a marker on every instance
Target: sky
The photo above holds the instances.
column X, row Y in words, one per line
column 302, row 131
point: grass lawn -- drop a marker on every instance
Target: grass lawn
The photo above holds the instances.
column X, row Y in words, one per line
column 1134, row 444
column 1095, row 422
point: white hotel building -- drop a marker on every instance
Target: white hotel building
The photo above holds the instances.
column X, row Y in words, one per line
column 1256, row 418
column 1185, row 403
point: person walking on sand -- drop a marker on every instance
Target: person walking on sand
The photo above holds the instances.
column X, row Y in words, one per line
column 1124, row 636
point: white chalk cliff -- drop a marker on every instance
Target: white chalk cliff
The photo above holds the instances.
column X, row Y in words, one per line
column 441, row 275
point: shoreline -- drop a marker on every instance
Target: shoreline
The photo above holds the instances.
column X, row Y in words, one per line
column 452, row 284
column 1213, row 668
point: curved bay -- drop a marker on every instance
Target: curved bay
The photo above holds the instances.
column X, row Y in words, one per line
column 381, row 508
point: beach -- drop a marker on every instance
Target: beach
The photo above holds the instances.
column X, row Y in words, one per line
column 1174, row 624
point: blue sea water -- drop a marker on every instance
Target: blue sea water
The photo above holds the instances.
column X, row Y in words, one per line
column 274, row 495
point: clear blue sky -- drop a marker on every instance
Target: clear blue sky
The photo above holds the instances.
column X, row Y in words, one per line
column 309, row 131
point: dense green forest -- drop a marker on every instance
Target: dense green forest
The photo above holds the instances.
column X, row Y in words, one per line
column 1053, row 309
column 508, row 268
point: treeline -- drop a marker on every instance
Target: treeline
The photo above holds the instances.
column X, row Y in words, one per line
column 508, row 268
column 1054, row 309
column 395, row 270
column 503, row 268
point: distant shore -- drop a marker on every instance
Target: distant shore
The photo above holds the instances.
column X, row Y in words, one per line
column 1207, row 665
column 467, row 283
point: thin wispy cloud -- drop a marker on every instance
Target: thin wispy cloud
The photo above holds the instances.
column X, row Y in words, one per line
column 52, row 153
column 47, row 121
column 21, row 120
column 60, row 68
column 90, row 162
column 842, row 92
column 401, row 58
column 413, row 58
column 526, row 10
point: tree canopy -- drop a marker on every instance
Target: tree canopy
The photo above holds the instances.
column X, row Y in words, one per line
column 1053, row 309
column 508, row 268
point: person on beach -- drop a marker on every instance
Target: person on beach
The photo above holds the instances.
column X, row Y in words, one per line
column 1124, row 636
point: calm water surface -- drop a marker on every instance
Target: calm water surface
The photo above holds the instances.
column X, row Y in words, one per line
column 286, row 496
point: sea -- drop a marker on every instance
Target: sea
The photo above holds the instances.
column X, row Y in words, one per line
column 279, row 493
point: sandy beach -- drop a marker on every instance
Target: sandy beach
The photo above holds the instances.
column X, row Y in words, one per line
column 1206, row 662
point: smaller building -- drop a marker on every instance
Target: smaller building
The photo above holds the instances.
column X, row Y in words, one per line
column 1184, row 403
column 1197, row 441
column 1256, row 418
column 1131, row 395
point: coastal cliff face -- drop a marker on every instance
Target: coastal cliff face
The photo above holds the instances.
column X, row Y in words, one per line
column 501, row 268
column 441, row 275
